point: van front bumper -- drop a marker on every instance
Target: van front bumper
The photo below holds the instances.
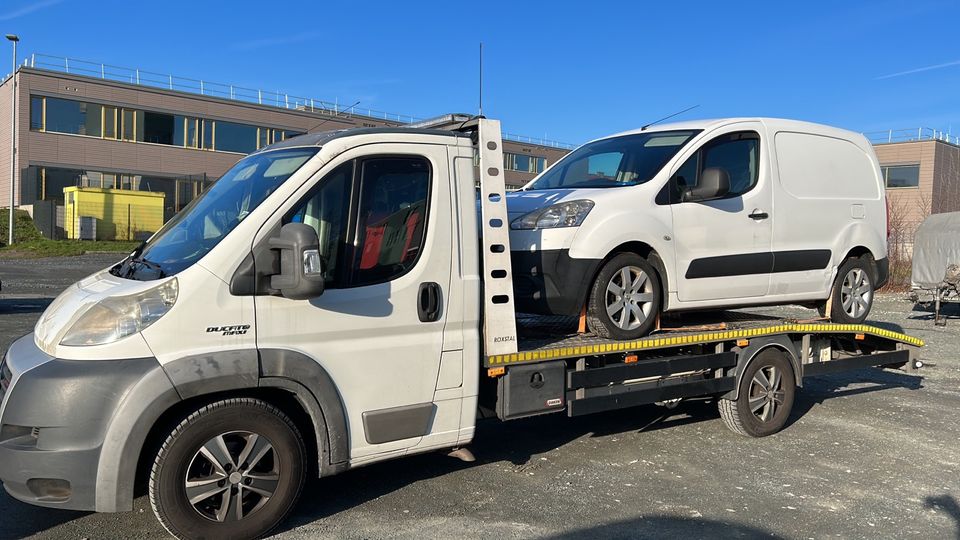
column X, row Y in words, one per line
column 550, row 282
column 55, row 416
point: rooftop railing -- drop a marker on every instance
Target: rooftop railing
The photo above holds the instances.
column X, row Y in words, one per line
column 912, row 134
column 273, row 98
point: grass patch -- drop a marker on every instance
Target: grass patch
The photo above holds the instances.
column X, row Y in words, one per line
column 29, row 243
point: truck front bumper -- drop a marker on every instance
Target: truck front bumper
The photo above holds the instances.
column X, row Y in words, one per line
column 59, row 442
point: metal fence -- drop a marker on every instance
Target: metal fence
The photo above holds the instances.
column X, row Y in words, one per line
column 108, row 221
column 911, row 134
column 274, row 98
column 203, row 87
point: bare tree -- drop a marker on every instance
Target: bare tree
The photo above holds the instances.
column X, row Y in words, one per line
column 900, row 241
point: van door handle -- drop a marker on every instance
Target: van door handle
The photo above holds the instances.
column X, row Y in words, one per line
column 428, row 306
column 758, row 215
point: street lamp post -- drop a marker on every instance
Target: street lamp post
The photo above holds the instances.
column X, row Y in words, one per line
column 13, row 136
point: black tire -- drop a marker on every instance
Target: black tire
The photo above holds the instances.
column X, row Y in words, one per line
column 738, row 414
column 645, row 301
column 856, row 311
column 180, row 458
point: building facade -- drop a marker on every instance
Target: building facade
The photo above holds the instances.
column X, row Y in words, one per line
column 84, row 130
column 922, row 175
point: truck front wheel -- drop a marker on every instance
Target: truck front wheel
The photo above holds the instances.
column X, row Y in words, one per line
column 765, row 396
column 231, row 469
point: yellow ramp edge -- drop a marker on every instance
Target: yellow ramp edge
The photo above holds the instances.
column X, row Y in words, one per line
column 658, row 342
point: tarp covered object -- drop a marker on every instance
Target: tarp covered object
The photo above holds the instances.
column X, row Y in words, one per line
column 935, row 246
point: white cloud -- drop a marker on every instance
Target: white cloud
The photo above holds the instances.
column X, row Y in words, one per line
column 919, row 70
column 27, row 9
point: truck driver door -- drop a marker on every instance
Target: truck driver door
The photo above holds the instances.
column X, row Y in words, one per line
column 382, row 214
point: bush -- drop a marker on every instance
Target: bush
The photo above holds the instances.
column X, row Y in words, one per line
column 28, row 242
column 23, row 228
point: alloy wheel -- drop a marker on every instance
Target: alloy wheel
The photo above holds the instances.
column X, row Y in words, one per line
column 629, row 298
column 766, row 392
column 232, row 476
column 856, row 293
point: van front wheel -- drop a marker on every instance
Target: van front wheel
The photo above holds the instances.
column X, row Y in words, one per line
column 232, row 469
column 625, row 298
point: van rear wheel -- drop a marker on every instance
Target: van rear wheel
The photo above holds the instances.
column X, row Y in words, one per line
column 232, row 469
column 852, row 293
column 625, row 298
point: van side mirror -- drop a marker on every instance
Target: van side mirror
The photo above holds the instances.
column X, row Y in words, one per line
column 301, row 266
column 714, row 184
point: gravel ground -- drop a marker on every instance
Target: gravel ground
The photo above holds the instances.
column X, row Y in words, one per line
column 867, row 454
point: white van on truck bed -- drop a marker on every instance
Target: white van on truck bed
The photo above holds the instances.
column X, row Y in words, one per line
column 328, row 304
column 702, row 214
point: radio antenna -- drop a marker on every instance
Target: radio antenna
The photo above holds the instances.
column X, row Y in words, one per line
column 480, row 112
column 335, row 115
column 669, row 117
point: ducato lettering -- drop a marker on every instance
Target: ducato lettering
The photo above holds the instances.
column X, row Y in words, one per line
column 231, row 330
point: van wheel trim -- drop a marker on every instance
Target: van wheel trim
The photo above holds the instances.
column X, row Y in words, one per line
column 629, row 295
column 232, row 476
column 856, row 292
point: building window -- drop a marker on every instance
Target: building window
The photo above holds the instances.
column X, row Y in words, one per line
column 65, row 116
column 58, row 115
column 208, row 134
column 901, row 176
column 524, row 163
column 109, row 122
column 161, row 128
column 232, row 137
column 36, row 113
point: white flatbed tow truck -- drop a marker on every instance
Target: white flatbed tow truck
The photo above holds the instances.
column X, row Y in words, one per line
column 299, row 319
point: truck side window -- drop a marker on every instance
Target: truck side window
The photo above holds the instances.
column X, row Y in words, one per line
column 325, row 210
column 391, row 218
column 737, row 153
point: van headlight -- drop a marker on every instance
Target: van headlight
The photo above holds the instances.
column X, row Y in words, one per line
column 116, row 317
column 565, row 214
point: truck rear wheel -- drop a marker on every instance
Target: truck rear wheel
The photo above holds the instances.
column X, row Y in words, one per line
column 625, row 298
column 765, row 396
column 232, row 469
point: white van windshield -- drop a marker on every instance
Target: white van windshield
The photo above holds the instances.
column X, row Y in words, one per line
column 209, row 218
column 618, row 161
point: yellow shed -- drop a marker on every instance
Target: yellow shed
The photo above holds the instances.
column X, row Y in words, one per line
column 120, row 214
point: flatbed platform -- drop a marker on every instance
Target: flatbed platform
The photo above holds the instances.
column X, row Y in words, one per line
column 554, row 338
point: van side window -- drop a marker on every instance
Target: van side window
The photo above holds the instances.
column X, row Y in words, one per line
column 391, row 218
column 325, row 209
column 736, row 153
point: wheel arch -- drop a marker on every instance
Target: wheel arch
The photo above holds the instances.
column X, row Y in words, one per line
column 858, row 252
column 292, row 381
column 748, row 354
column 649, row 253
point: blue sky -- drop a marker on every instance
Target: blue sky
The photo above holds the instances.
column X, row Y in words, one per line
column 567, row 71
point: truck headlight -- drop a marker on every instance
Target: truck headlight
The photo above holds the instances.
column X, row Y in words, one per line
column 565, row 214
column 116, row 317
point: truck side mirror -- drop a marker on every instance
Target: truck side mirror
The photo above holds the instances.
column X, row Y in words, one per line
column 301, row 266
column 714, row 184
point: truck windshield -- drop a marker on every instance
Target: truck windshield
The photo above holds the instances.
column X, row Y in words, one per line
column 627, row 160
column 209, row 218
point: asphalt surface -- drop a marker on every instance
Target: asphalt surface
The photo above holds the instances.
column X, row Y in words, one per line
column 867, row 454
